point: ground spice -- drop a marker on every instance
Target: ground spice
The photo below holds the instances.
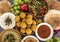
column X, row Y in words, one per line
column 44, row 31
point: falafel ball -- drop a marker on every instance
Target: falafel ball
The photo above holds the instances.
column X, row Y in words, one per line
column 22, row 15
column 22, row 30
column 34, row 27
column 28, row 31
column 34, row 22
column 23, row 25
column 17, row 18
column 29, row 21
column 18, row 24
column 29, row 16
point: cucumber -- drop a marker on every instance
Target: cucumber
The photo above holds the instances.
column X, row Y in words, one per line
column 16, row 3
column 16, row 0
column 20, row 1
column 18, row 7
column 26, row 1
column 11, row 9
column 17, row 12
column 15, row 7
column 13, row 12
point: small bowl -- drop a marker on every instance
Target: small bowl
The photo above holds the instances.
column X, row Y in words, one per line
column 2, row 20
column 28, row 37
column 49, row 37
column 30, row 9
column 10, row 31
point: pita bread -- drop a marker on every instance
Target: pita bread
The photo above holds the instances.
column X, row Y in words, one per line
column 53, row 18
column 4, row 6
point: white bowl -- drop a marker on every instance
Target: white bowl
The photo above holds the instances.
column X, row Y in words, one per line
column 44, row 39
column 2, row 18
column 28, row 37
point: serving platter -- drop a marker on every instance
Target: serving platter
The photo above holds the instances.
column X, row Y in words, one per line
column 56, row 35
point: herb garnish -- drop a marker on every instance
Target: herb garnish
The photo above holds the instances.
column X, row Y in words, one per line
column 8, row 21
column 10, row 38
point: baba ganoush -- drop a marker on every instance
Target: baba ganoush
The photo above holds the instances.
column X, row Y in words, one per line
column 10, row 35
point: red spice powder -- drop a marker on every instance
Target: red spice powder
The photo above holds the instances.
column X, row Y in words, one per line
column 44, row 31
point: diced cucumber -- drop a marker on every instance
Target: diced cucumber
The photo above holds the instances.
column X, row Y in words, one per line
column 12, row 5
column 11, row 9
column 16, row 0
column 17, row 12
column 15, row 7
column 16, row 3
column 20, row 1
column 26, row 1
column 48, row 41
column 18, row 7
column 12, row 12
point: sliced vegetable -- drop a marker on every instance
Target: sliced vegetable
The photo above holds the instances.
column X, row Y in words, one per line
column 54, row 39
column 16, row 3
column 15, row 7
column 17, row 12
column 26, row 1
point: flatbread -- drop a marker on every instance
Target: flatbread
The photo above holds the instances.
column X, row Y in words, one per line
column 4, row 6
column 54, row 4
column 53, row 18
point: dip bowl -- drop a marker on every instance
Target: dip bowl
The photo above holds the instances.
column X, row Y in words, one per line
column 45, row 32
column 7, row 20
column 30, row 36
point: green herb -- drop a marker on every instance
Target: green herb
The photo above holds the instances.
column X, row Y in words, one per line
column 8, row 21
column 10, row 38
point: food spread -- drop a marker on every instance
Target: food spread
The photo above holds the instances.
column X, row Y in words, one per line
column 22, row 18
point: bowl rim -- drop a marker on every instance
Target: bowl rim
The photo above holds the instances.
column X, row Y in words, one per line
column 29, row 36
column 44, row 39
column 8, row 13
column 16, row 31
